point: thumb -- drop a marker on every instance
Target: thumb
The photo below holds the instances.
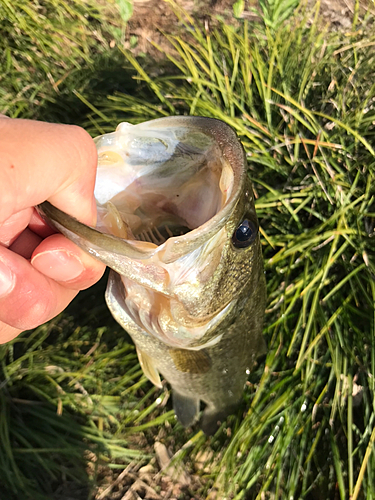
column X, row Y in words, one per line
column 45, row 161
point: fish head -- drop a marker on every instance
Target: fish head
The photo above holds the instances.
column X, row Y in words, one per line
column 176, row 220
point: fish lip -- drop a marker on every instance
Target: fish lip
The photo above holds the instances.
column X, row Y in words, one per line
column 72, row 227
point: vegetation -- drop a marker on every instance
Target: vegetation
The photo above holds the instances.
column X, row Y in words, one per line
column 301, row 99
column 45, row 45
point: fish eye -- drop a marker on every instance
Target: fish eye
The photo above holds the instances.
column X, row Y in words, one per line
column 245, row 234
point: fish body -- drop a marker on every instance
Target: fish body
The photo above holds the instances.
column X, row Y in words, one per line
column 178, row 228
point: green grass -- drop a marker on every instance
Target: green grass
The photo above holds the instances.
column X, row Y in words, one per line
column 302, row 102
column 45, row 45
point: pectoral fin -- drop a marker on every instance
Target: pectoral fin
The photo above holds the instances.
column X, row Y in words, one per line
column 190, row 361
column 147, row 365
column 186, row 409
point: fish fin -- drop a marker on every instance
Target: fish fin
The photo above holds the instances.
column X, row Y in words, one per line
column 190, row 361
column 147, row 365
column 212, row 418
column 185, row 408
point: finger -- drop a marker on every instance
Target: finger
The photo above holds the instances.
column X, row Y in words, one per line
column 39, row 226
column 27, row 297
column 16, row 224
column 11, row 228
column 26, row 243
column 60, row 259
column 41, row 161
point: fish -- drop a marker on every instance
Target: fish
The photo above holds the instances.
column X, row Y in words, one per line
column 178, row 228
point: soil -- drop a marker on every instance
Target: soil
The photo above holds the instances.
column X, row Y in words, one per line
column 148, row 28
column 153, row 17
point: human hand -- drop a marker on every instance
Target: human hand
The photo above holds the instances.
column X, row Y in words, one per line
column 41, row 271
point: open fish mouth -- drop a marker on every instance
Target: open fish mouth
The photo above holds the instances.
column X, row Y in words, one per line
column 170, row 194
column 157, row 183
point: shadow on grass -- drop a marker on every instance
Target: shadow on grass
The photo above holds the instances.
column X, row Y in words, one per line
column 109, row 74
column 55, row 390
column 48, row 452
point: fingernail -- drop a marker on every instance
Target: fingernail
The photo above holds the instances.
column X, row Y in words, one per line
column 58, row 265
column 7, row 280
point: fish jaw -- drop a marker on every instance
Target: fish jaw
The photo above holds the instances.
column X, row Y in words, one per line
column 196, row 146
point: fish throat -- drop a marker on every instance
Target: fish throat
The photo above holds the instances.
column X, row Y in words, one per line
column 161, row 186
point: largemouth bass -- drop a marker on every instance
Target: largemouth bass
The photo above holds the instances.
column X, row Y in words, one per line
column 178, row 228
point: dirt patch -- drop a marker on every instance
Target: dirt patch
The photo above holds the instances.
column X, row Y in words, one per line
column 339, row 14
column 163, row 478
column 153, row 17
